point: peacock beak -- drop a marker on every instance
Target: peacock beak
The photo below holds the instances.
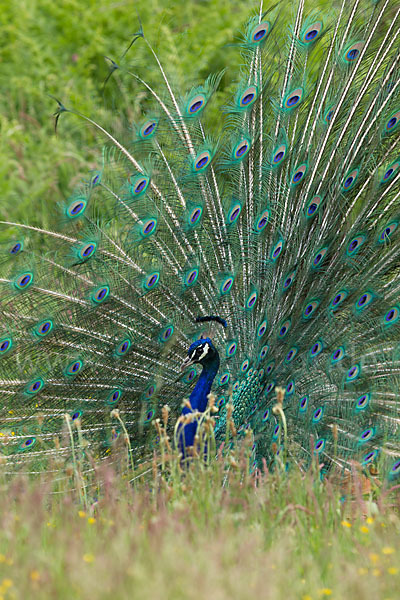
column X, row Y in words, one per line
column 186, row 363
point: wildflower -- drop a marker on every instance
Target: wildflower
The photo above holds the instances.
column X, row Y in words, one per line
column 374, row 558
column 7, row 583
column 362, row 571
column 393, row 570
column 82, row 514
column 34, row 575
column 370, row 520
column 325, row 592
column 346, row 524
column 388, row 550
column 364, row 529
column 91, row 520
column 88, row 558
column 306, row 597
column 376, row 572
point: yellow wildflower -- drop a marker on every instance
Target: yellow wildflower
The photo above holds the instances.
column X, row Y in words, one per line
column 346, row 524
column 374, row 558
column 82, row 514
column 91, row 520
column 34, row 575
column 376, row 572
column 325, row 592
column 362, row 571
column 393, row 570
column 7, row 583
column 388, row 550
column 88, row 558
column 306, row 597
column 370, row 520
column 364, row 529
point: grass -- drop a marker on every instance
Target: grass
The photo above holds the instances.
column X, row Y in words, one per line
column 206, row 531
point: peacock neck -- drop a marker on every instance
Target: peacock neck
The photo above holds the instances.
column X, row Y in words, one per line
column 199, row 396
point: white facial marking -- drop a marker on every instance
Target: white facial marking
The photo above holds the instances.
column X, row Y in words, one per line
column 205, row 352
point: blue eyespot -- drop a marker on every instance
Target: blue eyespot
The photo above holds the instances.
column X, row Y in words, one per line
column 234, row 213
column 392, row 316
column 35, row 386
column 150, row 391
column 86, row 251
column 241, row 149
column 74, row 368
column 16, row 248
column 353, row 52
column 387, row 232
column 363, row 402
column 266, row 415
column 76, row 415
column 27, row 444
column 303, row 404
column 353, row 373
column 149, row 416
column 22, row 282
column 293, row 98
column 355, row 245
column 319, row 257
column 251, row 300
column 393, row 122
column 196, row 105
column 319, row 446
column 276, row 250
column 278, row 155
column 262, row 328
column 123, row 347
column 148, row 129
column 313, row 206
column 298, row 174
column 5, row 345
column 262, row 221
column 338, row 299
column 96, row 179
column 226, row 285
column 224, row 379
column 100, row 294
column 76, row 208
column 260, row 32
column 245, row 365
column 318, row 414
column 191, row 277
column 190, row 375
column 311, row 33
column 43, row 328
column 310, row 309
column 366, row 435
column 284, row 328
column 291, row 354
column 248, row 97
column 363, row 301
column 290, row 388
column 269, row 387
column 201, row 161
column 316, row 349
column 350, row 180
column 288, row 280
column 337, row 355
column 370, row 457
column 139, row 185
column 166, row 333
column 263, row 352
column 113, row 397
column 270, row 367
column 195, row 216
column 149, row 227
column 151, row 280
column 231, row 349
column 395, row 470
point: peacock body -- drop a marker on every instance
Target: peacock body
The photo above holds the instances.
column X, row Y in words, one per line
column 285, row 229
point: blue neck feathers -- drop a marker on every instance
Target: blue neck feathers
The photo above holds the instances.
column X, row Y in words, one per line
column 198, row 398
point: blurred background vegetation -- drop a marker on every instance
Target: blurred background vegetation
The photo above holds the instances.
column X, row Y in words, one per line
column 58, row 48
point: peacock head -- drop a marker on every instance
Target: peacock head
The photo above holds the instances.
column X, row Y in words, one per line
column 201, row 351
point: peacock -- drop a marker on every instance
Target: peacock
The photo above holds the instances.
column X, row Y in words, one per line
column 190, row 266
